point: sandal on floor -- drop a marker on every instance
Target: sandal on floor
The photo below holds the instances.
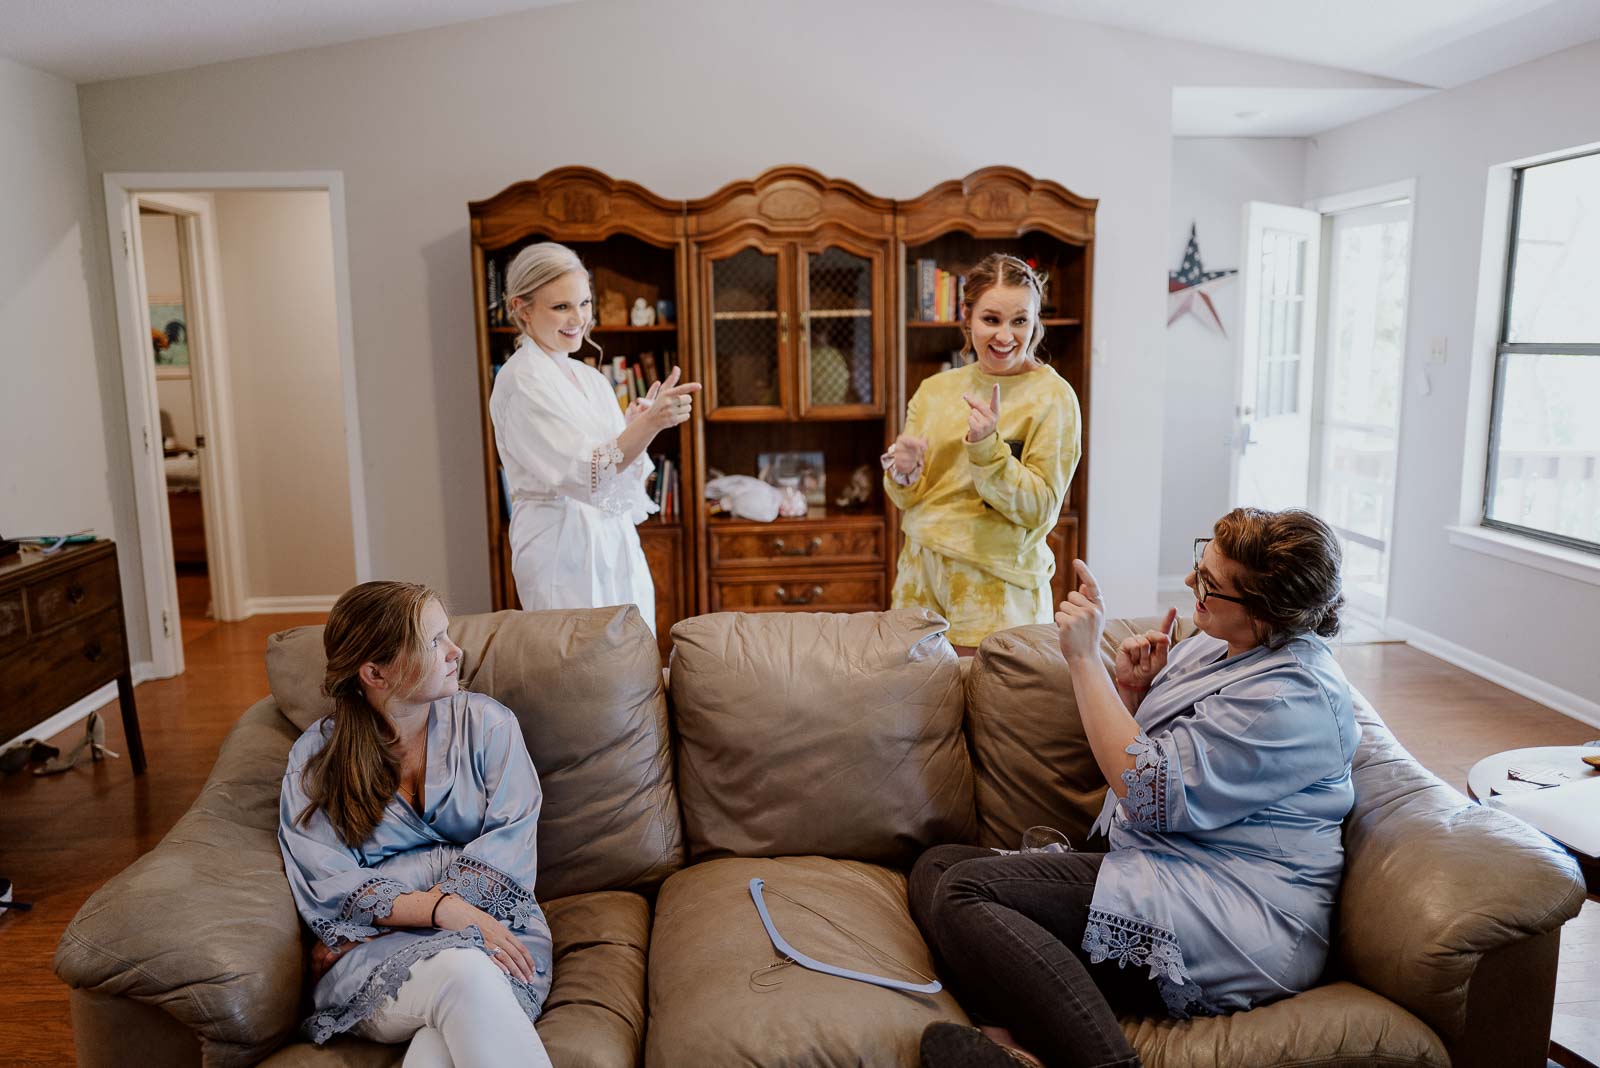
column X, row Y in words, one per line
column 953, row 1045
column 5, row 898
column 94, row 740
column 26, row 753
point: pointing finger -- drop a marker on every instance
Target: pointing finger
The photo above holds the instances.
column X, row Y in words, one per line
column 1086, row 579
column 994, row 399
column 972, row 402
column 672, row 378
column 1166, row 624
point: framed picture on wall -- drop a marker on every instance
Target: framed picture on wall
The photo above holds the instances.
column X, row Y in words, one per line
column 169, row 338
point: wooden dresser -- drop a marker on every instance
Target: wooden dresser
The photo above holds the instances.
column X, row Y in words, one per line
column 62, row 636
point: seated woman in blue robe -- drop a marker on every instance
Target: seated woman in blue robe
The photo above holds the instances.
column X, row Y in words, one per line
column 1228, row 763
column 407, row 823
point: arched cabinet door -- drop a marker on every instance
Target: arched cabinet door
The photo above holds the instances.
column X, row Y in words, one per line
column 842, row 330
column 747, row 314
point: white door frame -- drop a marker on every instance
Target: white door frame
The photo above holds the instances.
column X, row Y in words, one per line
column 123, row 191
column 1327, row 207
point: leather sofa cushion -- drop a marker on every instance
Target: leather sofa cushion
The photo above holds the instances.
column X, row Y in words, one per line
column 594, row 1017
column 1434, row 881
column 217, row 944
column 712, row 1002
column 586, row 686
column 820, row 733
column 1338, row 1025
column 1030, row 760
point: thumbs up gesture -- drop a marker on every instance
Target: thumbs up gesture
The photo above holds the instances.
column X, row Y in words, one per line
column 982, row 419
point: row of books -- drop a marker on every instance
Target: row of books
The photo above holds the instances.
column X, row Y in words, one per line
column 632, row 378
column 939, row 293
column 494, row 284
column 662, row 487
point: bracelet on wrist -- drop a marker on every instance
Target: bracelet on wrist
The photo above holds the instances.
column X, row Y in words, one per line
column 433, row 917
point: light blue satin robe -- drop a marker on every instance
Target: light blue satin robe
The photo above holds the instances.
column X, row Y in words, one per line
column 475, row 838
column 1226, row 855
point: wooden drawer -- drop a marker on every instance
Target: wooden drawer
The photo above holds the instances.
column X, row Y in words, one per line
column 13, row 622
column 807, row 590
column 73, row 594
column 52, row 673
column 820, row 542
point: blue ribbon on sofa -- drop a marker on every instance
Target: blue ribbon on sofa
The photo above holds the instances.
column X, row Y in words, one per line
column 790, row 953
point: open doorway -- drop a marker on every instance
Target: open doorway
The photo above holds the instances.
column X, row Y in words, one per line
column 234, row 319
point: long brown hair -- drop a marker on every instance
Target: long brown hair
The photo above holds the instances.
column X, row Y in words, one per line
column 357, row 771
column 999, row 269
column 1288, row 571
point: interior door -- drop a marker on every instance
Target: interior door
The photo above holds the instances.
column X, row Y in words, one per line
column 1272, row 446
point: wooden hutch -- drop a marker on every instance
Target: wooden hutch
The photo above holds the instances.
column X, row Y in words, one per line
column 797, row 305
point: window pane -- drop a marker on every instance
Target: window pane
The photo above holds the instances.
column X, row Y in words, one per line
column 1545, row 473
column 1557, row 260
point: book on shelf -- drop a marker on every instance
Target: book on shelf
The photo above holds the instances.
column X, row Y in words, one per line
column 631, row 378
column 662, row 487
column 940, row 293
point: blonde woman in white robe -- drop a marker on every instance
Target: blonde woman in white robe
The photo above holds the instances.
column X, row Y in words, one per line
column 575, row 463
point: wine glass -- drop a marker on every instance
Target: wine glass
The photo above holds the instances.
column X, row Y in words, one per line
column 1042, row 839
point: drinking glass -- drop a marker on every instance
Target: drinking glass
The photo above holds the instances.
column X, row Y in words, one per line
column 1043, row 839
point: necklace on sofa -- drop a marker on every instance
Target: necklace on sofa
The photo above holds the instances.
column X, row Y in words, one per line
column 790, row 955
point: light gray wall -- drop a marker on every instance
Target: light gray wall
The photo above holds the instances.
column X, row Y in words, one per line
column 63, row 431
column 276, row 251
column 1212, row 180
column 683, row 98
column 1533, row 621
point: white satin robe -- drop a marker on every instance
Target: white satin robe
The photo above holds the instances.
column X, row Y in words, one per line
column 573, row 513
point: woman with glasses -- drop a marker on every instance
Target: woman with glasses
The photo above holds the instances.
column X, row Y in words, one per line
column 1228, row 760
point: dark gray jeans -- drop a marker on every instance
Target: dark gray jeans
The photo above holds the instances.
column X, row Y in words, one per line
column 1006, row 932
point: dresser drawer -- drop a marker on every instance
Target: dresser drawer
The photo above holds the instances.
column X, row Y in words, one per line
column 824, row 542
column 54, row 671
column 801, row 591
column 73, row 594
column 13, row 623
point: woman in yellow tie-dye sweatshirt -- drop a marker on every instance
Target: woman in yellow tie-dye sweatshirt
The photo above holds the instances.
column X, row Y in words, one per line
column 982, row 467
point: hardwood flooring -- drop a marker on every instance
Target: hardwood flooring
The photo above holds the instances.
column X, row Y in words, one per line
column 61, row 837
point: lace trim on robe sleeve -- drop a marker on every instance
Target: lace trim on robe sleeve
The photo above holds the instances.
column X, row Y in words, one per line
column 1133, row 942
column 1146, row 803
column 490, row 889
column 372, row 900
column 615, row 491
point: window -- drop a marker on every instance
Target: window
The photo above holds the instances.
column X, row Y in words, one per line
column 1544, row 440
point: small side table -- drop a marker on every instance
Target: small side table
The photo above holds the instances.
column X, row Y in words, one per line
column 62, row 637
column 1490, row 772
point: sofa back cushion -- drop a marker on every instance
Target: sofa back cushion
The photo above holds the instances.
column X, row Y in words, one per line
column 1030, row 760
column 586, row 686
column 820, row 733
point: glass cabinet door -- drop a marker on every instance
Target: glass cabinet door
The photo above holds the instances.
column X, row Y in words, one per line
column 839, row 332
column 746, row 335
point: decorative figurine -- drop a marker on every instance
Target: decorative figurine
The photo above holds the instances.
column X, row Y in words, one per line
column 858, row 490
column 613, row 308
column 642, row 314
column 666, row 311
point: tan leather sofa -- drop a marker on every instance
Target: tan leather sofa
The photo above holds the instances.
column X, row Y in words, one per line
column 820, row 753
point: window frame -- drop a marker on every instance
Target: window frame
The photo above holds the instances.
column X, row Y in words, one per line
column 1505, row 347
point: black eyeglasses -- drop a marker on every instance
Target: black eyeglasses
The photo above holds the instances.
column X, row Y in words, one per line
column 1201, row 590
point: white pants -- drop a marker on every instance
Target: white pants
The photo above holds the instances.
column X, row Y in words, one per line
column 459, row 1011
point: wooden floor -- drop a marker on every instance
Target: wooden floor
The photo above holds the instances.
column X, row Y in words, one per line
column 61, row 837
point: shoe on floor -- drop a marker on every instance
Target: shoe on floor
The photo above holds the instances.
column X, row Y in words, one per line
column 953, row 1045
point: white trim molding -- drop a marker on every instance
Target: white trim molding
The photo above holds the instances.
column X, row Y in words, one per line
column 1531, row 552
column 1518, row 682
column 78, row 711
column 259, row 606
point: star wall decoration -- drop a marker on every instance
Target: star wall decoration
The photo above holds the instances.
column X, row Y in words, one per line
column 1187, row 288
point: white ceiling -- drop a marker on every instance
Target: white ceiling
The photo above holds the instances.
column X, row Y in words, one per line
column 1425, row 43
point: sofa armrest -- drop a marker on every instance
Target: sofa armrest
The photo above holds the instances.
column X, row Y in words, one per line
column 1434, row 884
column 203, row 926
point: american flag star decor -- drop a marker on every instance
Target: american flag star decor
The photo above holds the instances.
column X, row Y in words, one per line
column 1186, row 287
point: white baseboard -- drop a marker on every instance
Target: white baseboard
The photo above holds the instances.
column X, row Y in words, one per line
column 79, row 711
column 1519, row 682
column 258, row 606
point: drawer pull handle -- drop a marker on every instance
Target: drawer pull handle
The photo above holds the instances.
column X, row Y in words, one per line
column 93, row 651
column 807, row 549
column 75, row 592
column 800, row 598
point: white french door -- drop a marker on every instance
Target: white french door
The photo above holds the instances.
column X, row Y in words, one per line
column 1272, row 445
column 1358, row 410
